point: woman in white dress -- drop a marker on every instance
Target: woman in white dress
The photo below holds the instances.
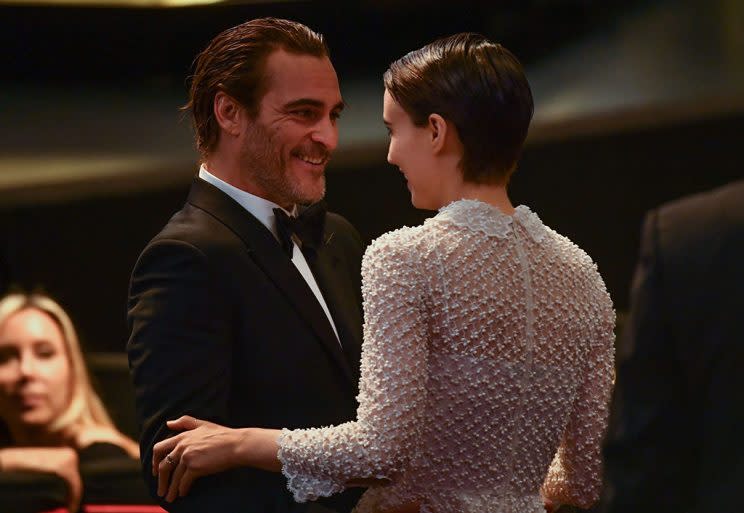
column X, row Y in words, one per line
column 488, row 339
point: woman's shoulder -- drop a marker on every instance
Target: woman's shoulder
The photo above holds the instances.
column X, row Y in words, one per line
column 571, row 252
column 400, row 245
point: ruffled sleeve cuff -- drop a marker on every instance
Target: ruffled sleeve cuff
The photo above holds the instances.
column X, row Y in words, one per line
column 293, row 455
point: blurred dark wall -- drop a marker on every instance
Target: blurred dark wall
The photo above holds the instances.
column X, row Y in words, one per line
column 593, row 190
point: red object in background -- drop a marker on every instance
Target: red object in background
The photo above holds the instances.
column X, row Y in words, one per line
column 121, row 508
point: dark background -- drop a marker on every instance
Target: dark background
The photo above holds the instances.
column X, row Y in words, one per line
column 591, row 185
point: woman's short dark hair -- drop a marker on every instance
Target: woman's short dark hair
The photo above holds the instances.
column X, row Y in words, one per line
column 234, row 62
column 477, row 85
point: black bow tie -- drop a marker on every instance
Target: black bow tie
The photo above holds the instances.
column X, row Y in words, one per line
column 308, row 227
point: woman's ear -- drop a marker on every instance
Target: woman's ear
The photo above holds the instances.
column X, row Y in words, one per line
column 438, row 129
column 228, row 113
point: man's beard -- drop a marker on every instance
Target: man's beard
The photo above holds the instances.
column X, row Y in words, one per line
column 264, row 164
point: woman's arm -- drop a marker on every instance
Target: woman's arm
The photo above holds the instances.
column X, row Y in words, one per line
column 392, row 389
column 62, row 461
column 575, row 476
column 323, row 461
column 205, row 448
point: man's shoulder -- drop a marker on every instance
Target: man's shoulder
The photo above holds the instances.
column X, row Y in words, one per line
column 338, row 222
column 703, row 204
column 696, row 219
column 193, row 231
column 339, row 229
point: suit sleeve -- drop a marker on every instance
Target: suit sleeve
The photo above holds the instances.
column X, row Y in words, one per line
column 648, row 396
column 320, row 462
column 179, row 350
column 721, row 472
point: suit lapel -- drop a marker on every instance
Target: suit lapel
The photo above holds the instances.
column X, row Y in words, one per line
column 340, row 299
column 267, row 254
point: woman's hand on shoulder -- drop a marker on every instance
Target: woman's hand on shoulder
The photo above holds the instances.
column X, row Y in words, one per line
column 202, row 448
column 62, row 461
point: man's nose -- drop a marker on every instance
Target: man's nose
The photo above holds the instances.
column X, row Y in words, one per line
column 326, row 133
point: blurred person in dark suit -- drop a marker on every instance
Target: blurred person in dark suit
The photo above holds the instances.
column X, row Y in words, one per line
column 674, row 441
column 51, row 419
column 240, row 312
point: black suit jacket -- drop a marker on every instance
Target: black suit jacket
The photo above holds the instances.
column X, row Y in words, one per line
column 674, row 443
column 223, row 327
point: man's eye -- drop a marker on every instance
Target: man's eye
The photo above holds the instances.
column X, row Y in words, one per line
column 335, row 115
column 304, row 113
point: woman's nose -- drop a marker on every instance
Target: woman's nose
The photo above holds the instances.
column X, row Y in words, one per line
column 27, row 365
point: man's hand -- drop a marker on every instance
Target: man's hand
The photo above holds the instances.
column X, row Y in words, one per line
column 62, row 461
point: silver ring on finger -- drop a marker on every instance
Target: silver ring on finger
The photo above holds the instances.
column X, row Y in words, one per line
column 171, row 461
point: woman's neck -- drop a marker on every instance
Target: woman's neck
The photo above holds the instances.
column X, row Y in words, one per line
column 494, row 195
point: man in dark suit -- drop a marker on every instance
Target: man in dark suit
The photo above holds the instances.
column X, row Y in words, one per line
column 238, row 313
column 674, row 443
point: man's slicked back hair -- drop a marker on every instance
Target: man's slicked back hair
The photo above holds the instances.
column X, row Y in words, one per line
column 234, row 62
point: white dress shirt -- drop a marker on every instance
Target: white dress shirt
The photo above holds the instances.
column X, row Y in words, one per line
column 263, row 210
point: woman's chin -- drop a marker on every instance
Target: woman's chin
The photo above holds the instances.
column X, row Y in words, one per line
column 35, row 419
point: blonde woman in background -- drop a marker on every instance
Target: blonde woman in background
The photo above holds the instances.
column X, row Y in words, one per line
column 51, row 419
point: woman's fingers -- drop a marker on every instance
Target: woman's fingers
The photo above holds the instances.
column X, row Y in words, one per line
column 165, row 468
column 206, row 446
column 161, row 450
column 186, row 481
column 175, row 481
column 185, row 423
column 165, row 447
column 180, row 481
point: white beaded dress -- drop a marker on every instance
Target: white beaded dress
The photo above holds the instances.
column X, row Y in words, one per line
column 487, row 367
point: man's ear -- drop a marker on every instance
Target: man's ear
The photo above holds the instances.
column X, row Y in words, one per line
column 438, row 129
column 228, row 113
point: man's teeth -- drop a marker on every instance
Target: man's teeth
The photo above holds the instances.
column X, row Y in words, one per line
column 310, row 160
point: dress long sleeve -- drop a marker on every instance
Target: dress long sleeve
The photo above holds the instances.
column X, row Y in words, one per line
column 322, row 461
column 575, row 475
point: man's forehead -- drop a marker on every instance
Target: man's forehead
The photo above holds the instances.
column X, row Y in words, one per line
column 294, row 77
column 313, row 102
